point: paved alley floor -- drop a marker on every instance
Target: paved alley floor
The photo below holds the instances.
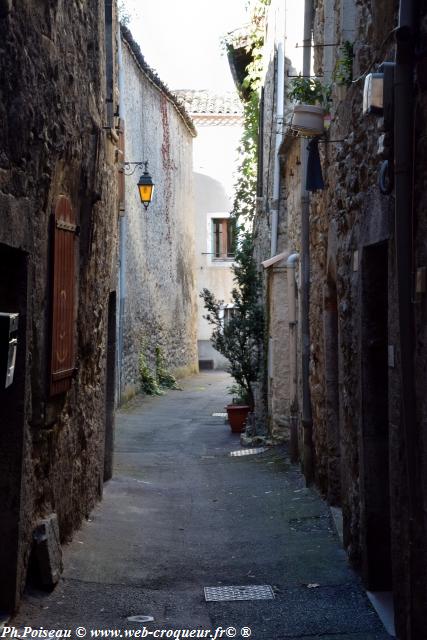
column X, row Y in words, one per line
column 182, row 514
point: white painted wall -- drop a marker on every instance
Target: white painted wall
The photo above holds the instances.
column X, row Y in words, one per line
column 215, row 162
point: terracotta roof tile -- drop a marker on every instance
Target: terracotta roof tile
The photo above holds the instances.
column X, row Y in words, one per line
column 204, row 102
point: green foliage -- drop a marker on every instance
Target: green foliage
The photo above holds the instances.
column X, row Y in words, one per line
column 151, row 382
column 343, row 73
column 238, row 394
column 309, row 91
column 246, row 177
column 148, row 380
column 244, row 203
column 164, row 378
column 240, row 338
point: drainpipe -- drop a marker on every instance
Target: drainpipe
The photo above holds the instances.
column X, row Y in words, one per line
column 307, row 420
column 280, row 98
column 293, row 350
column 122, row 235
column 403, row 163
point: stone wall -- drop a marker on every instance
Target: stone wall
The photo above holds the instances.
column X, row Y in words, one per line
column 359, row 435
column 52, row 142
column 360, row 461
column 160, row 305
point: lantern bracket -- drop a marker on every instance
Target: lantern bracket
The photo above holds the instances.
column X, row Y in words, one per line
column 129, row 168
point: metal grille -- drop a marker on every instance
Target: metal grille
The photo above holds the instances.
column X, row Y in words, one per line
column 249, row 592
column 63, row 321
column 248, row 452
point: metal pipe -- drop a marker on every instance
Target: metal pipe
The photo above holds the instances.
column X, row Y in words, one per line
column 293, row 359
column 403, row 163
column 280, row 99
column 307, row 420
column 122, row 238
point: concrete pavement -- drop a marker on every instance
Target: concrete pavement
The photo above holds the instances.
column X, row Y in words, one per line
column 181, row 514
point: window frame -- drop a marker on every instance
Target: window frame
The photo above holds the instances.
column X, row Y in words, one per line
column 221, row 239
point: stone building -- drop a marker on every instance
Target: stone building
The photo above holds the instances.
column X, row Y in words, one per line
column 361, row 410
column 58, row 232
column 157, row 307
column 218, row 119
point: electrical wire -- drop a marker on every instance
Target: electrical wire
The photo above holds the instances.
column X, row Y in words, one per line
column 383, row 43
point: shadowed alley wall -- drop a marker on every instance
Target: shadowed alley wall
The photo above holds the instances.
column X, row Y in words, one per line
column 53, row 143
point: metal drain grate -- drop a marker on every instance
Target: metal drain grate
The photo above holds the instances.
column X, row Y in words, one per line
column 219, row 415
column 248, row 452
column 250, row 592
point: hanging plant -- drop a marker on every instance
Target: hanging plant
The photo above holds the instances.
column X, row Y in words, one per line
column 309, row 91
column 343, row 73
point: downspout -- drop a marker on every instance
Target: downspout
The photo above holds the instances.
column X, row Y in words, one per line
column 293, row 351
column 403, row 163
column 280, row 98
column 122, row 237
column 307, row 420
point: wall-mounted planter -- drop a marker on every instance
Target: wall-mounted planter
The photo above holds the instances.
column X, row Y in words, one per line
column 308, row 119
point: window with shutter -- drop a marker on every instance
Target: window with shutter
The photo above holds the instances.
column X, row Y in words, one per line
column 222, row 238
column 63, row 297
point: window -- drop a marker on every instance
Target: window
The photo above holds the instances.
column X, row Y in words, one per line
column 228, row 314
column 222, row 238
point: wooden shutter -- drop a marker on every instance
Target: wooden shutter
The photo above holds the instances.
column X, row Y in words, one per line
column 63, row 297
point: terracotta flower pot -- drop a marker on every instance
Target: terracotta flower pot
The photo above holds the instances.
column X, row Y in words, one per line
column 237, row 416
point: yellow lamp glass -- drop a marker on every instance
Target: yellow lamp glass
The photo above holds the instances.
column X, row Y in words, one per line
column 146, row 192
column 145, row 187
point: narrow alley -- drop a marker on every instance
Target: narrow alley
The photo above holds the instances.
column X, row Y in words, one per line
column 181, row 514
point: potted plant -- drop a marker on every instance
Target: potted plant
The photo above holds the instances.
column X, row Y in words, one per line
column 239, row 338
column 311, row 98
column 238, row 409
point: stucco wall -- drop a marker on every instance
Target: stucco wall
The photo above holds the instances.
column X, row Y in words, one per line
column 215, row 161
column 160, row 304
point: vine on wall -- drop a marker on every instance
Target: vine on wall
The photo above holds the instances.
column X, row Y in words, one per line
column 240, row 338
column 246, row 176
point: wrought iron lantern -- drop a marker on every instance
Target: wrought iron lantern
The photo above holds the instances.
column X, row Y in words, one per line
column 145, row 183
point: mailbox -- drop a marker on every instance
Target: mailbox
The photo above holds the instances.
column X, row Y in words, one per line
column 8, row 347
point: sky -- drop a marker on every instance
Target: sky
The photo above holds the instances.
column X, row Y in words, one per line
column 180, row 39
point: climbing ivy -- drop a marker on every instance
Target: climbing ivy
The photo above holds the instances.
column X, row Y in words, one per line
column 164, row 377
column 244, row 203
column 153, row 382
column 343, row 72
column 240, row 339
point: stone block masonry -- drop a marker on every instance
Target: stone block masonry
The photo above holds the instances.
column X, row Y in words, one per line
column 54, row 143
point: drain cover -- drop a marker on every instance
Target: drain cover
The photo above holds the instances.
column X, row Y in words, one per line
column 248, row 452
column 250, row 592
column 219, row 415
